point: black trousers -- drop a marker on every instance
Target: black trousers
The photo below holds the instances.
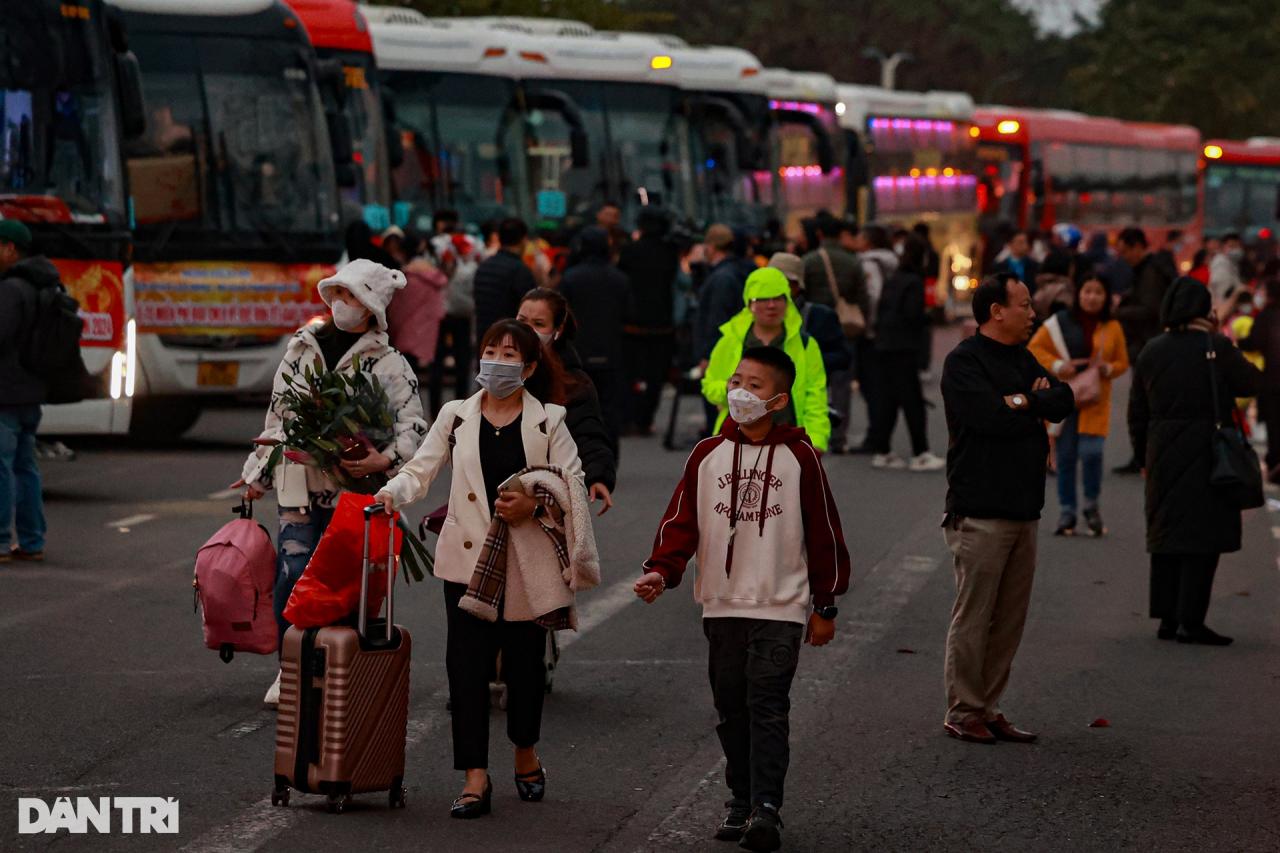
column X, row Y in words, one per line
column 1269, row 411
column 609, row 386
column 470, row 651
column 751, row 664
column 866, row 367
column 898, row 380
column 1181, row 585
column 648, row 363
column 455, row 340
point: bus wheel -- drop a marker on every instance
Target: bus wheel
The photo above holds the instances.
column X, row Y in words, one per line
column 162, row 418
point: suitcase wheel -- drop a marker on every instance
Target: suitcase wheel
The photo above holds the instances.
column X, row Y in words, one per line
column 337, row 803
column 280, row 797
column 395, row 798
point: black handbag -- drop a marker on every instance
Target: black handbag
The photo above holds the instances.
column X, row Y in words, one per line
column 1236, row 470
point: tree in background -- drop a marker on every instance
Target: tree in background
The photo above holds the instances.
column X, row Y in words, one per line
column 1209, row 63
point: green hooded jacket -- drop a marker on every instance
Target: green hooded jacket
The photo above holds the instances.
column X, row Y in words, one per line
column 808, row 394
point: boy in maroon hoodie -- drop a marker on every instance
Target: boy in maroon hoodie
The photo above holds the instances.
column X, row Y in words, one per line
column 755, row 507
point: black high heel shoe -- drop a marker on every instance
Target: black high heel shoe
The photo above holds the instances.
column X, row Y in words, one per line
column 471, row 806
column 532, row 787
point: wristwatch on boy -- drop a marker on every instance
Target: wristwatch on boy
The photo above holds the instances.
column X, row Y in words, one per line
column 828, row 612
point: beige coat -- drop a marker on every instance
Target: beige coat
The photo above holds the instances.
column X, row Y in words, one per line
column 467, row 524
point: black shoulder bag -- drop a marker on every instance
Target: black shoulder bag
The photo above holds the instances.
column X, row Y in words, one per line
column 1236, row 471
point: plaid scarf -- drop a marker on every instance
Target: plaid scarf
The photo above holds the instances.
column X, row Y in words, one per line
column 489, row 580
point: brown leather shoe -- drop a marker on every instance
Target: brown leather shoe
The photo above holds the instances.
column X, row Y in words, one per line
column 1005, row 730
column 971, row 730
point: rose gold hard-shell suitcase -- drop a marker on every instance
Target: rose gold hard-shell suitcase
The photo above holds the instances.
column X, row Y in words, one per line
column 344, row 703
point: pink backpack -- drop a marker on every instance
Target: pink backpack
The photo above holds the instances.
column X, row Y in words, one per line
column 235, row 578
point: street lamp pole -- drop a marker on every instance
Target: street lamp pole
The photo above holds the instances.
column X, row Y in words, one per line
column 888, row 64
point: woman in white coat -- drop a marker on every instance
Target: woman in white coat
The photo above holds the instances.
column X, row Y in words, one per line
column 517, row 420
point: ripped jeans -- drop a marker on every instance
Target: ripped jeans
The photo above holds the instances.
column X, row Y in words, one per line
column 299, row 533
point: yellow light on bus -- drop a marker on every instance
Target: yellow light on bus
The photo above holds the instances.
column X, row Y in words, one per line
column 948, row 172
column 973, row 131
column 931, row 172
column 658, row 63
column 1008, row 126
column 915, row 173
column 1213, row 152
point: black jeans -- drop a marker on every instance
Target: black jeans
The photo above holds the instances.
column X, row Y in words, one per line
column 752, row 663
column 455, row 340
column 1269, row 412
column 866, row 367
column 1181, row 585
column 648, row 363
column 898, row 380
column 470, row 651
column 609, row 387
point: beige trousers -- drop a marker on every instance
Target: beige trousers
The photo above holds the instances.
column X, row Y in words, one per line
column 995, row 564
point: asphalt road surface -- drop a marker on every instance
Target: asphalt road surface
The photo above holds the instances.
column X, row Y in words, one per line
column 108, row 691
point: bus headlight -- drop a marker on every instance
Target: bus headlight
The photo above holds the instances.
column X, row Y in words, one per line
column 117, row 374
column 131, row 358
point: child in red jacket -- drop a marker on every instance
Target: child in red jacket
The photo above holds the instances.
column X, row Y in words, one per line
column 755, row 507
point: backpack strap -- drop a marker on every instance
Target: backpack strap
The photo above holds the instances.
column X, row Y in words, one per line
column 453, row 439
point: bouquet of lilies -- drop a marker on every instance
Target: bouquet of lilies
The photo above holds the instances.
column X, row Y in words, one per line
column 336, row 417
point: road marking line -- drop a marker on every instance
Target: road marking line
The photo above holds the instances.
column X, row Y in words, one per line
column 868, row 621
column 224, row 494
column 255, row 826
column 132, row 520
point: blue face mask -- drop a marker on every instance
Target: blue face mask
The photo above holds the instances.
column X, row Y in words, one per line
column 500, row 378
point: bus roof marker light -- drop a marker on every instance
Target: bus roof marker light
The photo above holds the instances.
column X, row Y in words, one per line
column 1213, row 152
column 533, row 56
column 660, row 62
column 494, row 52
column 840, row 108
column 973, row 131
column 1008, row 126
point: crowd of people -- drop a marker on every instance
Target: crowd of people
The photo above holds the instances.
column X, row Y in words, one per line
column 553, row 360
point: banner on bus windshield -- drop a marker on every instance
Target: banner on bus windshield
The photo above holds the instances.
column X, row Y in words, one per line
column 220, row 298
column 99, row 288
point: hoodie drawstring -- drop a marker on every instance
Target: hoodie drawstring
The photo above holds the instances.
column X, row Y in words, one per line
column 764, row 490
column 733, row 499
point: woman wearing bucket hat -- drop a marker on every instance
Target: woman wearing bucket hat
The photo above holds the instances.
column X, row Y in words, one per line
column 357, row 296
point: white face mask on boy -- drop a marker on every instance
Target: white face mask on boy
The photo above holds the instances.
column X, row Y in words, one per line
column 747, row 408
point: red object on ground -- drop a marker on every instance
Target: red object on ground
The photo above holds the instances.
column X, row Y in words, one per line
column 1100, row 723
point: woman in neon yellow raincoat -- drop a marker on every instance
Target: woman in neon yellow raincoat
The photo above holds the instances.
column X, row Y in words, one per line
column 769, row 318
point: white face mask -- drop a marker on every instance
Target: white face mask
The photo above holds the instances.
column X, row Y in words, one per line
column 547, row 338
column 349, row 318
column 747, row 408
column 500, row 378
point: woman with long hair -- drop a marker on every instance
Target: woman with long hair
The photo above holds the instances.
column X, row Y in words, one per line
column 547, row 312
column 516, row 420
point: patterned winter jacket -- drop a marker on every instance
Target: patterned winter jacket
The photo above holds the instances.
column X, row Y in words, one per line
column 378, row 357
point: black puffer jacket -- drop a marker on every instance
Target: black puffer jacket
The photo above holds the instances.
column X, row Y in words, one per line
column 596, row 449
column 900, row 314
column 1171, row 423
column 599, row 295
column 18, row 387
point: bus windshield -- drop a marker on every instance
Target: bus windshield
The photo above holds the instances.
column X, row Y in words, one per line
column 1000, row 183
column 454, row 128
column 1241, row 197
column 58, row 126
column 235, row 141
column 921, row 165
column 725, row 189
column 363, row 110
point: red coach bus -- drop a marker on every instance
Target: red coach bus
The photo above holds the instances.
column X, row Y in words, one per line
column 1240, row 188
column 1042, row 167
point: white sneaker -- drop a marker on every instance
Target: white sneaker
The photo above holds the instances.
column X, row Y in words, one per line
column 888, row 460
column 272, row 699
column 927, row 462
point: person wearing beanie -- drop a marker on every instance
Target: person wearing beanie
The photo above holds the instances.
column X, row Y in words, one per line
column 357, row 296
column 769, row 318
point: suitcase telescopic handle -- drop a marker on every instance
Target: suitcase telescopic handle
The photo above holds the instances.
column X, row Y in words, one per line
column 362, row 620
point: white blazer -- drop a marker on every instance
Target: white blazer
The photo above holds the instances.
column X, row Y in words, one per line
column 546, row 442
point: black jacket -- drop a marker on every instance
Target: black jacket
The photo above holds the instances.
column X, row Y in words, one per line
column 1264, row 337
column 997, row 456
column 501, row 282
column 586, row 424
column 650, row 265
column 823, row 325
column 1030, row 268
column 1171, row 424
column 598, row 293
column 18, row 387
column 900, row 314
column 719, row 299
column 1139, row 310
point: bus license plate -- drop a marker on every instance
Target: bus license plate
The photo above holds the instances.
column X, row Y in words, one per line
column 223, row 374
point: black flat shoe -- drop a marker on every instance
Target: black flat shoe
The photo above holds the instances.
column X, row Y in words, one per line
column 735, row 821
column 1066, row 526
column 532, row 787
column 472, row 806
column 1202, row 636
column 1168, row 629
column 764, row 831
